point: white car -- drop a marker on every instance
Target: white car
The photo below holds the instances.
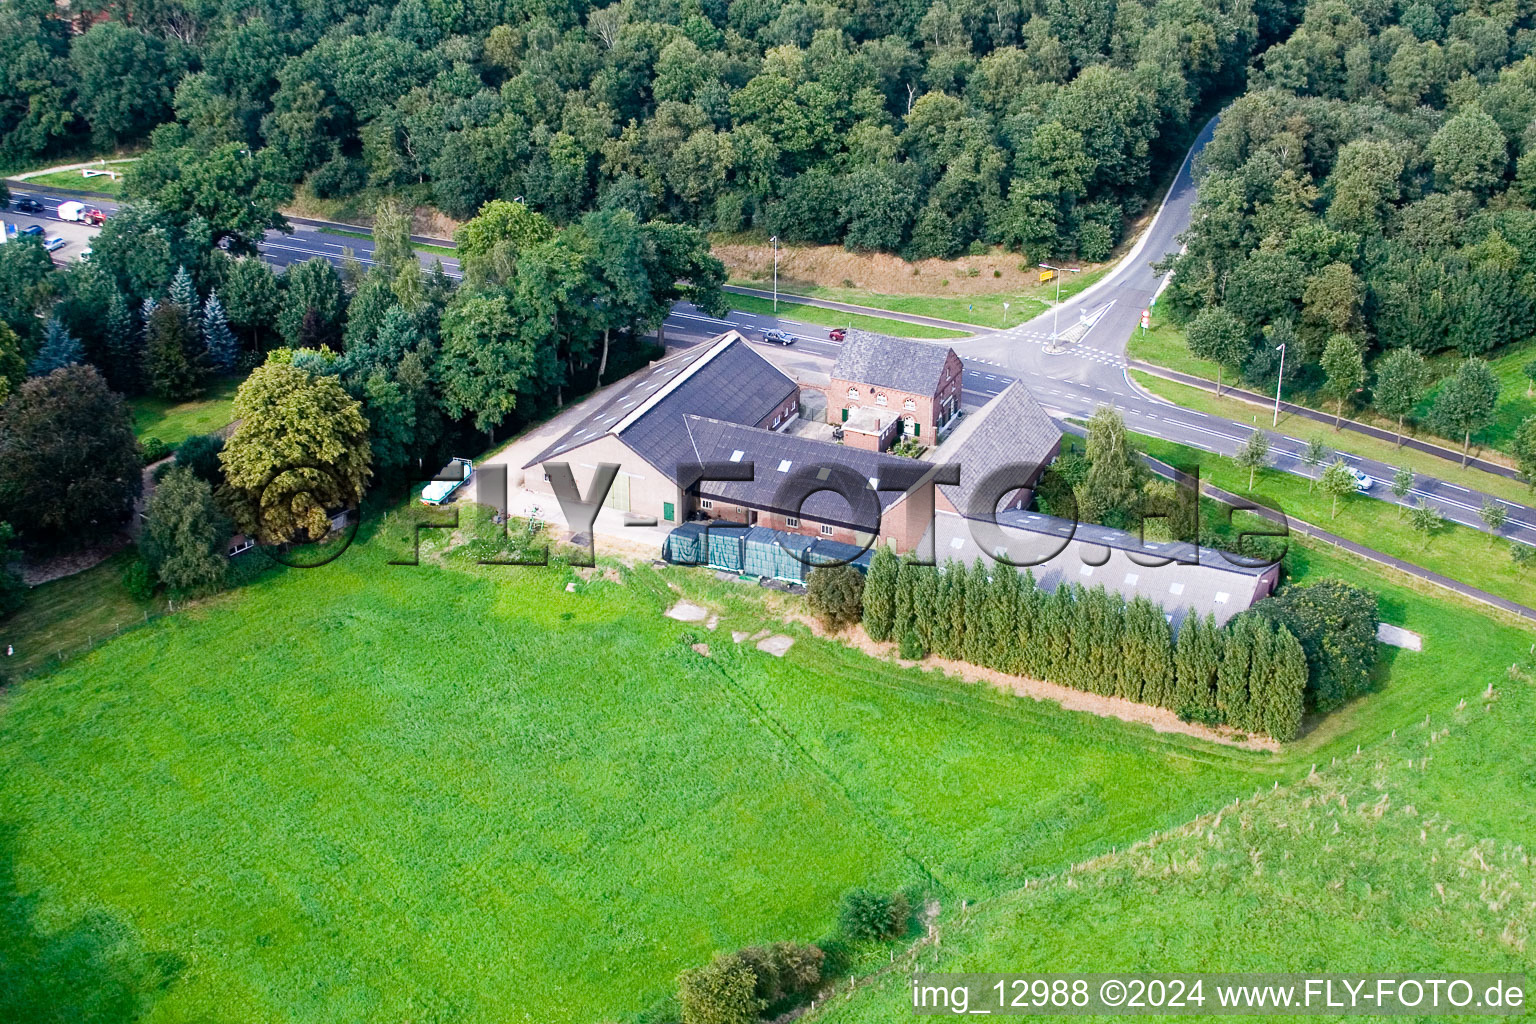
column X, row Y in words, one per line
column 1363, row 483
column 54, row 244
column 85, row 254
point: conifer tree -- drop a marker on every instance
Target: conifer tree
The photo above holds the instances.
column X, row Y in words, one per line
column 1027, row 643
column 979, row 639
column 926, row 603
column 880, row 593
column 901, row 613
column 1261, row 670
column 59, row 349
column 123, row 350
column 183, row 291
column 1196, row 660
column 1286, row 691
column 953, row 609
column 1002, row 608
column 221, row 349
column 1232, row 677
column 1057, row 626
column 146, row 311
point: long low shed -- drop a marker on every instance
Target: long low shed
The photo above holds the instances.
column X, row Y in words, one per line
column 758, row 551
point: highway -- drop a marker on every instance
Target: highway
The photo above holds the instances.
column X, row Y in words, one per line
column 1071, row 380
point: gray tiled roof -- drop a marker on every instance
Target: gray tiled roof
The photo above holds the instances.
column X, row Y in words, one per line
column 1012, row 429
column 897, row 363
column 721, row 378
column 778, row 458
column 1098, row 556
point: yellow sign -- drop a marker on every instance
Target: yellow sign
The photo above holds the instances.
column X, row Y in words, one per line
column 1046, row 275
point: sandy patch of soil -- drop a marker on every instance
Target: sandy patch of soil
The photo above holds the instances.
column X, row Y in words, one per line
column 777, row 645
column 832, row 266
column 700, row 649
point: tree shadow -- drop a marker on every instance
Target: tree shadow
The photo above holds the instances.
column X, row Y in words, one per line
column 92, row 971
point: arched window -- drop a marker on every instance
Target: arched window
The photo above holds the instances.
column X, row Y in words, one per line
column 909, row 404
column 879, row 399
column 853, row 392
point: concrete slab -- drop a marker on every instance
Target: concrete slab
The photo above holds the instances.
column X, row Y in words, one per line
column 687, row 611
column 1396, row 636
column 776, row 645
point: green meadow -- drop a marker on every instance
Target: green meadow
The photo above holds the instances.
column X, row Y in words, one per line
column 460, row 792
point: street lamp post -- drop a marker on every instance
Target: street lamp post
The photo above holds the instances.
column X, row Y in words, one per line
column 1279, row 383
column 775, row 241
column 1056, row 316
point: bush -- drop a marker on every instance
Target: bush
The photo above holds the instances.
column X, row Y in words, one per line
column 836, row 595
column 139, row 580
column 152, row 450
column 200, row 454
column 911, row 646
column 1336, row 625
column 784, row 970
column 723, row 991
column 870, row 915
column 13, row 590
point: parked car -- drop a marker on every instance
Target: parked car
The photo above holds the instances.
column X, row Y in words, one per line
column 26, row 204
column 31, row 229
column 84, row 255
column 1363, row 483
column 54, row 244
column 778, row 337
column 837, row 334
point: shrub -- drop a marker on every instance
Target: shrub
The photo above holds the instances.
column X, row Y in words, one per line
column 200, row 454
column 723, row 991
column 911, row 646
column 152, row 450
column 139, row 580
column 868, row 914
column 836, row 595
column 1336, row 625
column 784, row 970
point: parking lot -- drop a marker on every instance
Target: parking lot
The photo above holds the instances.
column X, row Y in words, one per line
column 76, row 236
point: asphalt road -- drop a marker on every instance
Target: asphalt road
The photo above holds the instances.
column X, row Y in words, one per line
column 1071, row 380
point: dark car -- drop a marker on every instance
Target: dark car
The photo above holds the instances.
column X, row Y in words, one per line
column 837, row 334
column 34, row 229
column 26, row 204
column 777, row 337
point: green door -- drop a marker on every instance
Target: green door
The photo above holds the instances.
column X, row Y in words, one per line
column 917, row 429
column 845, row 414
column 668, row 512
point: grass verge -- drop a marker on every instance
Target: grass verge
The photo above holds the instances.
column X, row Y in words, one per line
column 790, row 312
column 1293, row 425
column 441, row 250
column 75, row 180
column 985, row 310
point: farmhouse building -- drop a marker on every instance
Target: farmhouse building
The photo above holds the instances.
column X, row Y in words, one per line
column 900, row 381
column 722, row 403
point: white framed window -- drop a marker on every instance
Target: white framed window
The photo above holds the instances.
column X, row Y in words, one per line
column 1177, row 588
column 909, row 404
column 1086, row 570
column 784, row 465
column 879, row 399
column 826, row 531
column 853, row 392
column 776, row 421
column 1222, row 596
column 791, row 522
column 1131, row 578
column 706, row 503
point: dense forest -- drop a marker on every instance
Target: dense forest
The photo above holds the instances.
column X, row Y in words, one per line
column 917, row 127
column 1369, row 202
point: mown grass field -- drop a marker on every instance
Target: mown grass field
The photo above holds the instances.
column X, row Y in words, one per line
column 455, row 792
column 466, row 794
column 75, row 180
column 174, row 422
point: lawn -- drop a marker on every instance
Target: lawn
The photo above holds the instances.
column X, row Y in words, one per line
column 1459, row 552
column 174, row 422
column 75, row 180
column 469, row 793
column 1515, row 405
column 441, row 250
column 790, row 312
column 1292, row 425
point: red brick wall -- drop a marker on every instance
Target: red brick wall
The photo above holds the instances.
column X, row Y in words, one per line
column 928, row 410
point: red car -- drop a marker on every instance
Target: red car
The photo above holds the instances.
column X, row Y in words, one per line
column 837, row 334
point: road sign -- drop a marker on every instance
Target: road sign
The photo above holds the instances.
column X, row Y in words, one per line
column 1146, row 319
